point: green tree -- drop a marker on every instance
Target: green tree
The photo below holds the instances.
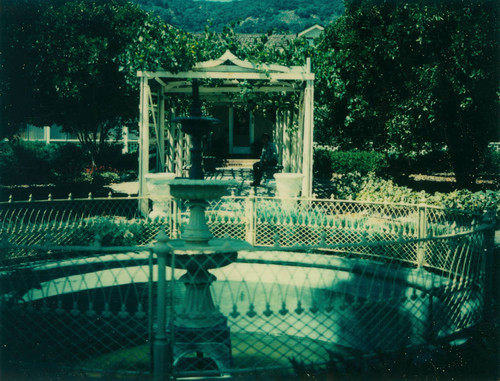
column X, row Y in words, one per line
column 411, row 77
column 17, row 36
column 76, row 75
column 69, row 69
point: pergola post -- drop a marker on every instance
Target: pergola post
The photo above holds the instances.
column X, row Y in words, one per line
column 170, row 153
column 143, row 143
column 288, row 119
column 179, row 149
column 299, row 148
column 307, row 163
column 278, row 134
column 161, row 131
column 231, row 129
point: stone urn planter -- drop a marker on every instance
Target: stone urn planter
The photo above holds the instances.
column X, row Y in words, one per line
column 288, row 185
column 159, row 192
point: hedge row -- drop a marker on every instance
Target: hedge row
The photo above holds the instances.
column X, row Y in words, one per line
column 26, row 163
column 328, row 162
column 355, row 186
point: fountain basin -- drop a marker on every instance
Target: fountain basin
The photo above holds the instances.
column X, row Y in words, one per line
column 216, row 253
column 190, row 189
column 344, row 290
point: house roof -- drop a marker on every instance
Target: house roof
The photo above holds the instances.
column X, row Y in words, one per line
column 315, row 29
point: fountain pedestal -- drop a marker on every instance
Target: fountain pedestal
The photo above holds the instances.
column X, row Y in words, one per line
column 198, row 327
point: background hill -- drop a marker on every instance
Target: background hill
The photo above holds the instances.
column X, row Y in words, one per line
column 254, row 16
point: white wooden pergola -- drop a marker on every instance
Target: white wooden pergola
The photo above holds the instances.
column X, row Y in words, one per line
column 292, row 133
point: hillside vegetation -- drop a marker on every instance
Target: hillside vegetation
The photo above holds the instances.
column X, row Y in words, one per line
column 253, row 16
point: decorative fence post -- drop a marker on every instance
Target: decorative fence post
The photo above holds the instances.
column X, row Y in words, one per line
column 491, row 270
column 421, row 234
column 250, row 220
column 175, row 219
column 161, row 361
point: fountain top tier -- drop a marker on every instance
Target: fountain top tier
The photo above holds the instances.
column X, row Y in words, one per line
column 197, row 240
column 195, row 187
column 196, row 126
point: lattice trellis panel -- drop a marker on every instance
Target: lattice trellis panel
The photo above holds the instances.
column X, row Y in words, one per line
column 88, row 222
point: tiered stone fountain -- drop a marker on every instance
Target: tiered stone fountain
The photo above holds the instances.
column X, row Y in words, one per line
column 198, row 327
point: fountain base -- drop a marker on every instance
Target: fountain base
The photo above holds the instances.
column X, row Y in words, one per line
column 209, row 346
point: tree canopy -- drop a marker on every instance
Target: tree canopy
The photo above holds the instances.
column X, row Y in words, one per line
column 74, row 63
column 67, row 54
column 410, row 77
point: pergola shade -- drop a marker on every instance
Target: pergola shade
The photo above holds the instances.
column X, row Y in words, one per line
column 221, row 82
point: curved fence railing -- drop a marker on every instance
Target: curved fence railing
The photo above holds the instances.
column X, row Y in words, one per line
column 79, row 281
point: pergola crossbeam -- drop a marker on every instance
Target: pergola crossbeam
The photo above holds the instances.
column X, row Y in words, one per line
column 229, row 75
column 222, row 90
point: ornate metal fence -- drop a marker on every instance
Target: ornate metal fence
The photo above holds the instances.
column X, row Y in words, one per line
column 80, row 290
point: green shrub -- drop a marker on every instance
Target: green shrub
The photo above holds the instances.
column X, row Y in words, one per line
column 111, row 156
column 24, row 162
column 109, row 232
column 322, row 167
column 437, row 161
column 68, row 161
column 347, row 186
column 477, row 202
column 64, row 164
column 328, row 162
column 491, row 164
column 7, row 162
column 100, row 176
column 380, row 190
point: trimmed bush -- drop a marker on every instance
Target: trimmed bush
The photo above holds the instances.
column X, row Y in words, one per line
column 327, row 162
column 376, row 189
column 62, row 164
column 67, row 164
column 491, row 164
column 24, row 162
